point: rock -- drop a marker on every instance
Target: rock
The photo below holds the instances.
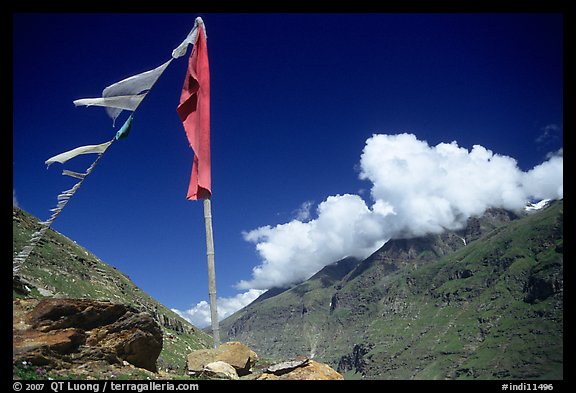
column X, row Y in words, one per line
column 220, row 369
column 135, row 337
column 19, row 285
column 307, row 369
column 238, row 356
column 234, row 353
column 45, row 349
column 51, row 314
column 198, row 359
column 286, row 367
column 540, row 287
column 66, row 333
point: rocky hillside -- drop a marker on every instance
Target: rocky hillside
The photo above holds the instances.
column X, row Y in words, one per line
column 59, row 267
column 485, row 302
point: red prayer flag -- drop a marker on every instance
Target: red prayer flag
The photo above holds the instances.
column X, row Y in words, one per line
column 194, row 111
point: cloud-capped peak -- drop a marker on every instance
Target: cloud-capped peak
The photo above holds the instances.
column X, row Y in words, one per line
column 416, row 189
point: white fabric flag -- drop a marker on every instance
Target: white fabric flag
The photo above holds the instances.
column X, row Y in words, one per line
column 63, row 157
column 120, row 103
column 190, row 39
column 126, row 94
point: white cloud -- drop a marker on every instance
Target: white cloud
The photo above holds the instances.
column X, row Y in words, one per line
column 416, row 189
column 294, row 251
column 303, row 212
column 545, row 181
column 436, row 187
column 199, row 315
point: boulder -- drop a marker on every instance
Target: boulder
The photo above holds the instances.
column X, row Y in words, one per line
column 134, row 337
column 234, row 353
column 238, row 356
column 303, row 369
column 53, row 314
column 63, row 333
column 286, row 367
column 220, row 369
column 60, row 341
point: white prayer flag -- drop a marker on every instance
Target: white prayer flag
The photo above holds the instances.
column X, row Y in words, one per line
column 126, row 94
column 63, row 157
column 190, row 39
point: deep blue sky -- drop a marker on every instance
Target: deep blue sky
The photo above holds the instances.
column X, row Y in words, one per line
column 294, row 98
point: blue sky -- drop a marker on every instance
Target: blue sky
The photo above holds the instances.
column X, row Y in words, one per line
column 294, row 100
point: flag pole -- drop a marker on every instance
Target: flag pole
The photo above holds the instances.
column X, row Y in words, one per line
column 211, row 271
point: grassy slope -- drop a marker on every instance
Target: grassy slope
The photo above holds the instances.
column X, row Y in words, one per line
column 65, row 269
column 487, row 324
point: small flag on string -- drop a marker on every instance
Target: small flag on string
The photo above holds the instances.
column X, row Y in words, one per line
column 125, row 129
column 89, row 149
column 126, row 94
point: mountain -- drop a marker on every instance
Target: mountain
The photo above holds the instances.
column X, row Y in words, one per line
column 58, row 267
column 485, row 302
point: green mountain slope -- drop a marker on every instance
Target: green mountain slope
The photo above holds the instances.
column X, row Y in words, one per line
column 60, row 267
column 485, row 302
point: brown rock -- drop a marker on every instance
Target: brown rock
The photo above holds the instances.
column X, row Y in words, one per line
column 301, row 370
column 63, row 333
column 267, row 377
column 198, row 359
column 234, row 353
column 84, row 314
column 45, row 349
column 136, row 338
column 238, row 356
